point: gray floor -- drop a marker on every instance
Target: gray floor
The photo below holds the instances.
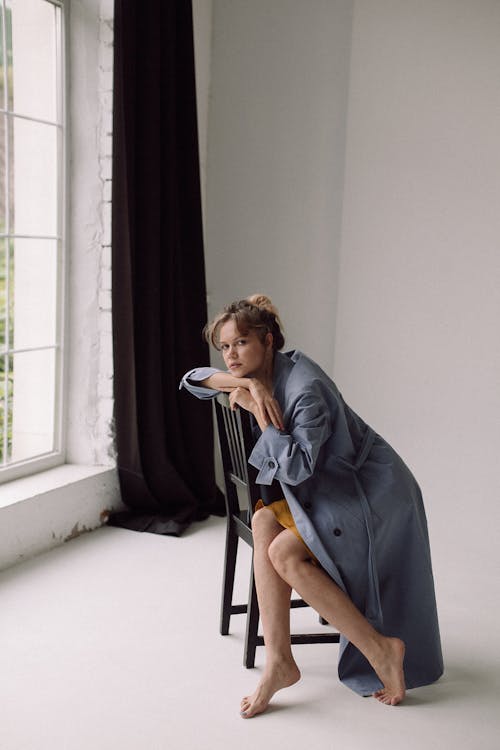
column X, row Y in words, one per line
column 111, row 643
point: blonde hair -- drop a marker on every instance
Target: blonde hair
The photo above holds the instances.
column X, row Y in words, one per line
column 254, row 313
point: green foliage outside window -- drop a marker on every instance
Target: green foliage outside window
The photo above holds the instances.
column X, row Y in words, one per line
column 6, row 337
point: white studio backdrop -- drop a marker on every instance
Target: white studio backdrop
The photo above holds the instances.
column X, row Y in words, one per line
column 351, row 155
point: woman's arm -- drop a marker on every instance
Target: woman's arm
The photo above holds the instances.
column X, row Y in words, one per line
column 206, row 382
column 251, row 394
column 193, row 379
column 291, row 457
column 224, row 381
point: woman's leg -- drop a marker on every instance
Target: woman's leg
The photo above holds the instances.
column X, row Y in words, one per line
column 291, row 561
column 273, row 594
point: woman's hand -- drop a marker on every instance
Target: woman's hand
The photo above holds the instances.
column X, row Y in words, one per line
column 267, row 407
column 242, row 397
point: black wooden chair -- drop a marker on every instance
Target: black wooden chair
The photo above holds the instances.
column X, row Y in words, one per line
column 241, row 490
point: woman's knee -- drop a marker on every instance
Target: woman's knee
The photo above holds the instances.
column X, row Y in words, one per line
column 264, row 523
column 285, row 553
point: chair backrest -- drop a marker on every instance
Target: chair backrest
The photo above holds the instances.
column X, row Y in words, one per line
column 235, row 440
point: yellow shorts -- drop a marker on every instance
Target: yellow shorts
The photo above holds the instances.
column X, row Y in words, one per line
column 284, row 517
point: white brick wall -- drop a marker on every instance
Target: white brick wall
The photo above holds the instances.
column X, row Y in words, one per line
column 104, row 447
column 89, row 437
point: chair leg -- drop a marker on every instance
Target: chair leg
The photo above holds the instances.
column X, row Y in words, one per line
column 228, row 580
column 251, row 639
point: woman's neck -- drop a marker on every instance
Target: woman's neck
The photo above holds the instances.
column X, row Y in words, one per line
column 265, row 374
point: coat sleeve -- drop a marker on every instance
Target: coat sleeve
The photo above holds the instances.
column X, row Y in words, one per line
column 291, row 456
column 189, row 380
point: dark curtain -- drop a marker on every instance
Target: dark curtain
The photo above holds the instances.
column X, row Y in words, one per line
column 163, row 436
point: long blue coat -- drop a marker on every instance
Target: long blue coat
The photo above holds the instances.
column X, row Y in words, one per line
column 359, row 510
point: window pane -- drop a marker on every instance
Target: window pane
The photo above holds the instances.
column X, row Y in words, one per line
column 33, row 404
column 6, row 381
column 35, row 178
column 31, row 207
column 3, row 295
column 6, row 101
column 3, row 173
column 34, row 293
column 6, row 301
column 2, row 71
column 6, row 175
column 3, row 405
column 34, row 58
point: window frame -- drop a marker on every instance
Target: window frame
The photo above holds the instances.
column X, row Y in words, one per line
column 57, row 456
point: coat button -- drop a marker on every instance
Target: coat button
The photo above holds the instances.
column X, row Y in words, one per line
column 270, row 464
column 337, row 532
column 307, row 505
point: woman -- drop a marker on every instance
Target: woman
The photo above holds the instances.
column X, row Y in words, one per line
column 341, row 522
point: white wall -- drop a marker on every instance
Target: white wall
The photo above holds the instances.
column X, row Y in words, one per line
column 417, row 347
column 276, row 143
column 415, row 323
column 90, row 366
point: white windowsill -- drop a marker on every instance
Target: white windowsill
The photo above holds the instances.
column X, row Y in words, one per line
column 46, row 481
column 44, row 510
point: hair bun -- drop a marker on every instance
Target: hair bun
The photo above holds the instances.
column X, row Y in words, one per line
column 263, row 302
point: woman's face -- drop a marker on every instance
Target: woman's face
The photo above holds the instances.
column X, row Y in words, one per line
column 244, row 355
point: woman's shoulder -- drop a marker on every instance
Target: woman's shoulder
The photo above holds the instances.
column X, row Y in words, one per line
column 302, row 363
column 303, row 372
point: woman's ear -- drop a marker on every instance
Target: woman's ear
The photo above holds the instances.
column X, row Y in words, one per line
column 268, row 341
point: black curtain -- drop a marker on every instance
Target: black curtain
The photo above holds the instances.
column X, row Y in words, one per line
column 163, row 436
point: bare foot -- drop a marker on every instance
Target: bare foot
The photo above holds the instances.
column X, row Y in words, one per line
column 275, row 677
column 389, row 667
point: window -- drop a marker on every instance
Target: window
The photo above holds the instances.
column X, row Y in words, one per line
column 32, row 220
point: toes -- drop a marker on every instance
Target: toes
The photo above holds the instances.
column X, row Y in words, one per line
column 389, row 700
column 245, row 708
column 247, row 712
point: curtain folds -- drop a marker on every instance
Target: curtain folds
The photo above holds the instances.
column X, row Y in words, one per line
column 164, row 439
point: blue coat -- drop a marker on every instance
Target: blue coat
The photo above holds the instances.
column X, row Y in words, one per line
column 359, row 510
